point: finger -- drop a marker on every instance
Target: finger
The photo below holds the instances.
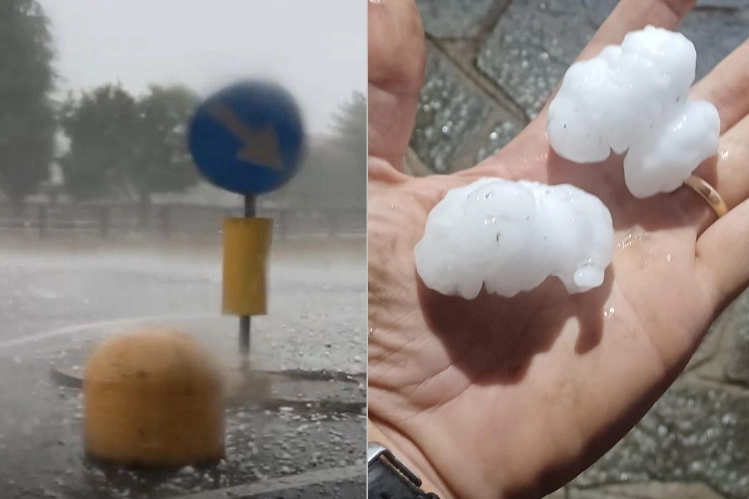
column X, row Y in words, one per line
column 732, row 172
column 397, row 57
column 722, row 254
column 727, row 172
column 727, row 86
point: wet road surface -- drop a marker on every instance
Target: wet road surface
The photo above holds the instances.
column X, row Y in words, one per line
column 52, row 304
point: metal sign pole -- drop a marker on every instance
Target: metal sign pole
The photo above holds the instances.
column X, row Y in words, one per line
column 245, row 321
column 248, row 139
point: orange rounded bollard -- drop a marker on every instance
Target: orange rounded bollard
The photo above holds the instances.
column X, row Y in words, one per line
column 153, row 399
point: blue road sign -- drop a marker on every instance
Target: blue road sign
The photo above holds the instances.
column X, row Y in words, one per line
column 248, row 138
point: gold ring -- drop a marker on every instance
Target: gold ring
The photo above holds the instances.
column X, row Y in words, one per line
column 708, row 193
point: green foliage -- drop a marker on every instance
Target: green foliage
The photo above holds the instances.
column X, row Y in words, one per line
column 100, row 126
column 27, row 126
column 350, row 123
column 350, row 126
column 123, row 145
column 164, row 163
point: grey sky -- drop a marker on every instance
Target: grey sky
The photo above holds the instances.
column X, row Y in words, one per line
column 316, row 49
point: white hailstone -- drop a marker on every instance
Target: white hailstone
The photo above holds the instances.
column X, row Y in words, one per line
column 633, row 97
column 511, row 236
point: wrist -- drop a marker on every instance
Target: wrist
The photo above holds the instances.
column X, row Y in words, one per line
column 407, row 452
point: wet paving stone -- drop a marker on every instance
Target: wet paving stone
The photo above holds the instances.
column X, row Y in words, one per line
column 716, row 32
column 737, row 368
column 650, row 490
column 722, row 4
column 693, row 434
column 535, row 42
column 454, row 18
column 450, row 114
column 532, row 46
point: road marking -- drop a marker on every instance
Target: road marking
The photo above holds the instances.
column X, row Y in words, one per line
column 331, row 475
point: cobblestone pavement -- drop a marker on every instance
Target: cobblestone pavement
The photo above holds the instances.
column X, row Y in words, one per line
column 492, row 64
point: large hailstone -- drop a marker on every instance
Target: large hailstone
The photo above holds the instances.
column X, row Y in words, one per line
column 511, row 236
column 633, row 97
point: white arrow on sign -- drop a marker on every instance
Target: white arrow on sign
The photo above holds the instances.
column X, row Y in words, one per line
column 259, row 146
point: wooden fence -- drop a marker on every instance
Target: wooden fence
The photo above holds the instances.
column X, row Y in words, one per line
column 168, row 220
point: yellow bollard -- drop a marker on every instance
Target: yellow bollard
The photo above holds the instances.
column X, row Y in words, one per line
column 153, row 399
column 247, row 244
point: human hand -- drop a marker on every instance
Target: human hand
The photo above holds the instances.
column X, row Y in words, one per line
column 500, row 397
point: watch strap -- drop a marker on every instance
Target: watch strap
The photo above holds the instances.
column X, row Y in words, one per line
column 391, row 479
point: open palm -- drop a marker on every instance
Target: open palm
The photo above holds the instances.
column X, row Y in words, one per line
column 498, row 397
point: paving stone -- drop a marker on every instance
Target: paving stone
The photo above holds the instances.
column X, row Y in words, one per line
column 559, row 494
column 737, row 367
column 722, row 4
column 532, row 46
column 414, row 166
column 709, row 347
column 650, row 490
column 454, row 18
column 723, row 352
column 694, row 433
column 500, row 136
column 710, row 358
column 451, row 111
column 715, row 33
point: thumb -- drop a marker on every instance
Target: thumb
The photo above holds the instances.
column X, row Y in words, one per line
column 397, row 58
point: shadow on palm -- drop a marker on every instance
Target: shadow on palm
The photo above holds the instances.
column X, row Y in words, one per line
column 493, row 339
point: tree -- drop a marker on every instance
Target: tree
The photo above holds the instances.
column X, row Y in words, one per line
column 27, row 125
column 350, row 139
column 126, row 146
column 101, row 126
column 334, row 173
column 163, row 161
column 350, row 127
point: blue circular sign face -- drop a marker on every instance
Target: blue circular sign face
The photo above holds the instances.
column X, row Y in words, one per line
column 248, row 138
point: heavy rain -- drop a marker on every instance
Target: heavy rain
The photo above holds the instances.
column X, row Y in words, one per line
column 107, row 227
